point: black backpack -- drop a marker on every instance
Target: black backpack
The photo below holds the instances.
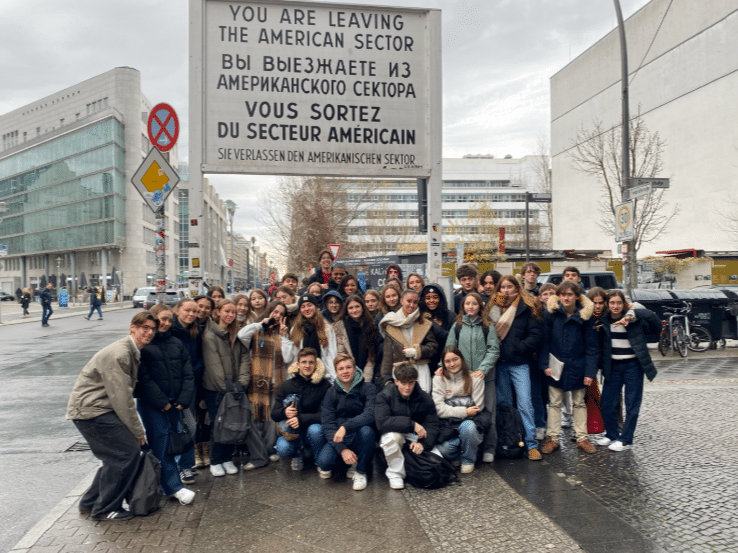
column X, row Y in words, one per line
column 427, row 470
column 510, row 433
column 146, row 495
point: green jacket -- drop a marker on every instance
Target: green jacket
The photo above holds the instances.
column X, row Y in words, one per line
column 479, row 355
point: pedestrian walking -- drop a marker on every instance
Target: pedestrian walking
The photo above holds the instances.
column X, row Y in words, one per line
column 46, row 305
column 95, row 303
column 102, row 408
column 25, row 301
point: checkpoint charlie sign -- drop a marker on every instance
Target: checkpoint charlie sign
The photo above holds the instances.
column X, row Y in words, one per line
column 317, row 89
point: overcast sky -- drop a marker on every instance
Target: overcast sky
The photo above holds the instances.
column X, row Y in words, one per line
column 498, row 56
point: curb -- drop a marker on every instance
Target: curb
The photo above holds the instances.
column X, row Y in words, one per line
column 61, row 314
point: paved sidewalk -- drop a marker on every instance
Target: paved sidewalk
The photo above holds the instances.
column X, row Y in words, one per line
column 13, row 314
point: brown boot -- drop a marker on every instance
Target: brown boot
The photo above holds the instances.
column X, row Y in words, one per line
column 549, row 446
column 534, row 454
column 586, row 446
column 198, row 457
column 205, row 454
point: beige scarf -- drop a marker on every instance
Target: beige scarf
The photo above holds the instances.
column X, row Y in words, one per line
column 503, row 321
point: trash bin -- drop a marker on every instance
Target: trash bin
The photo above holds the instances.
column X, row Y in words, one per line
column 708, row 308
column 730, row 320
column 654, row 299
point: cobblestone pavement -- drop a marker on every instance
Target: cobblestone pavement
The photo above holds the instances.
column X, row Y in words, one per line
column 677, row 486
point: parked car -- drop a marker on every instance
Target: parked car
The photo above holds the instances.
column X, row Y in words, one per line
column 171, row 299
column 139, row 298
column 4, row 296
column 604, row 279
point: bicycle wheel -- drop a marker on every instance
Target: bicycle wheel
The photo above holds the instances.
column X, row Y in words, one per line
column 664, row 342
column 680, row 339
column 699, row 338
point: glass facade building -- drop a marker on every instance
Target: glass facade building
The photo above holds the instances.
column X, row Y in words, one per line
column 66, row 194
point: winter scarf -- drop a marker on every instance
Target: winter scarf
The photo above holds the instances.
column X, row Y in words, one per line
column 398, row 319
column 267, row 372
column 356, row 341
column 310, row 337
column 503, row 313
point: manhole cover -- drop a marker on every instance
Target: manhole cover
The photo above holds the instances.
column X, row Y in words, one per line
column 78, row 446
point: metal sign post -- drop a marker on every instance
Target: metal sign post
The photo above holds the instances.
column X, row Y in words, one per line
column 536, row 198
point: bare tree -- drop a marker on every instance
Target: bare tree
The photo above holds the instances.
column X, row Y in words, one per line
column 304, row 215
column 544, row 184
column 597, row 152
column 727, row 212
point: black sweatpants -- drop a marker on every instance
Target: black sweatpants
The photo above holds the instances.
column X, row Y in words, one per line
column 113, row 443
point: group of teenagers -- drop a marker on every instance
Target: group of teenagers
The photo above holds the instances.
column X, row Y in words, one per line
column 332, row 371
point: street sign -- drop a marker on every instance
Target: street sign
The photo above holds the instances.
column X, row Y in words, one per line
column 654, row 182
column 335, row 249
column 539, row 198
column 230, row 262
column 624, row 222
column 163, row 127
column 637, row 192
column 155, row 179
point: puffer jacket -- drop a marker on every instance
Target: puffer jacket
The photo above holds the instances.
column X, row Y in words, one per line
column 311, row 392
column 351, row 409
column 394, row 413
column 165, row 373
column 193, row 346
column 572, row 340
column 479, row 355
column 646, row 322
column 223, row 361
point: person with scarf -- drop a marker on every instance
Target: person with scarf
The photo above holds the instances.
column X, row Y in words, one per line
column 347, row 418
column 570, row 347
column 408, row 337
column 517, row 317
column 268, row 373
column 322, row 273
column 389, row 301
column 459, row 401
column 332, row 304
column 166, row 387
column 356, row 335
column 310, row 330
column 592, row 397
column 243, row 309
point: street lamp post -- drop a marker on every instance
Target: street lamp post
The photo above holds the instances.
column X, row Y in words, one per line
column 3, row 209
column 535, row 198
column 231, row 208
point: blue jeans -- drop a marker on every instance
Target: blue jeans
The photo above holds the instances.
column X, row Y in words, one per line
column 313, row 438
column 48, row 311
column 511, row 376
column 630, row 375
column 92, row 310
column 157, row 434
column 362, row 443
column 465, row 445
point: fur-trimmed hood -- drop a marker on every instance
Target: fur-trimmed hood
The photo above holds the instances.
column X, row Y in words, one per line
column 318, row 375
column 585, row 311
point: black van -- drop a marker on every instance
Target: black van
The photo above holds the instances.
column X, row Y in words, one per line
column 590, row 279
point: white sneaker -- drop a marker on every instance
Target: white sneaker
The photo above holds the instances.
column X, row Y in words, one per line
column 185, row 496
column 295, row 464
column 488, row 458
column 217, row 470
column 359, row 481
column 618, row 446
column 230, row 468
column 540, row 433
column 351, row 472
column 397, row 483
column 603, row 441
column 325, row 474
column 249, row 466
column 274, row 458
column 466, row 469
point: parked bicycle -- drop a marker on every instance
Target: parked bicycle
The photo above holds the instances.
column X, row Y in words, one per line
column 680, row 335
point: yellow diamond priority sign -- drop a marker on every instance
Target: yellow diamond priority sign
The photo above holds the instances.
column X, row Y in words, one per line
column 155, row 179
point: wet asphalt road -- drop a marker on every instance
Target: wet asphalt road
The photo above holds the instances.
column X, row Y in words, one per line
column 38, row 367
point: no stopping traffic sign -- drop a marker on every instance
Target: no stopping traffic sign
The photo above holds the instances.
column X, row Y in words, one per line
column 163, row 127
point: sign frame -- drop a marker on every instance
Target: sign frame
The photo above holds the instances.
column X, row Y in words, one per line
column 153, row 114
column 624, row 222
column 204, row 132
column 636, row 192
column 155, row 199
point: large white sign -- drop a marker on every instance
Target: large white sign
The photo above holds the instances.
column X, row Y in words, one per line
column 317, row 89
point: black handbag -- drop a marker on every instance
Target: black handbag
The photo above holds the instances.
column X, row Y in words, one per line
column 180, row 438
column 146, row 495
column 233, row 421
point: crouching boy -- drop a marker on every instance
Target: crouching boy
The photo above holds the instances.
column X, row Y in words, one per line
column 404, row 412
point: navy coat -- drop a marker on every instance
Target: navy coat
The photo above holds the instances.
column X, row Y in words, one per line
column 352, row 409
column 571, row 339
column 165, row 373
